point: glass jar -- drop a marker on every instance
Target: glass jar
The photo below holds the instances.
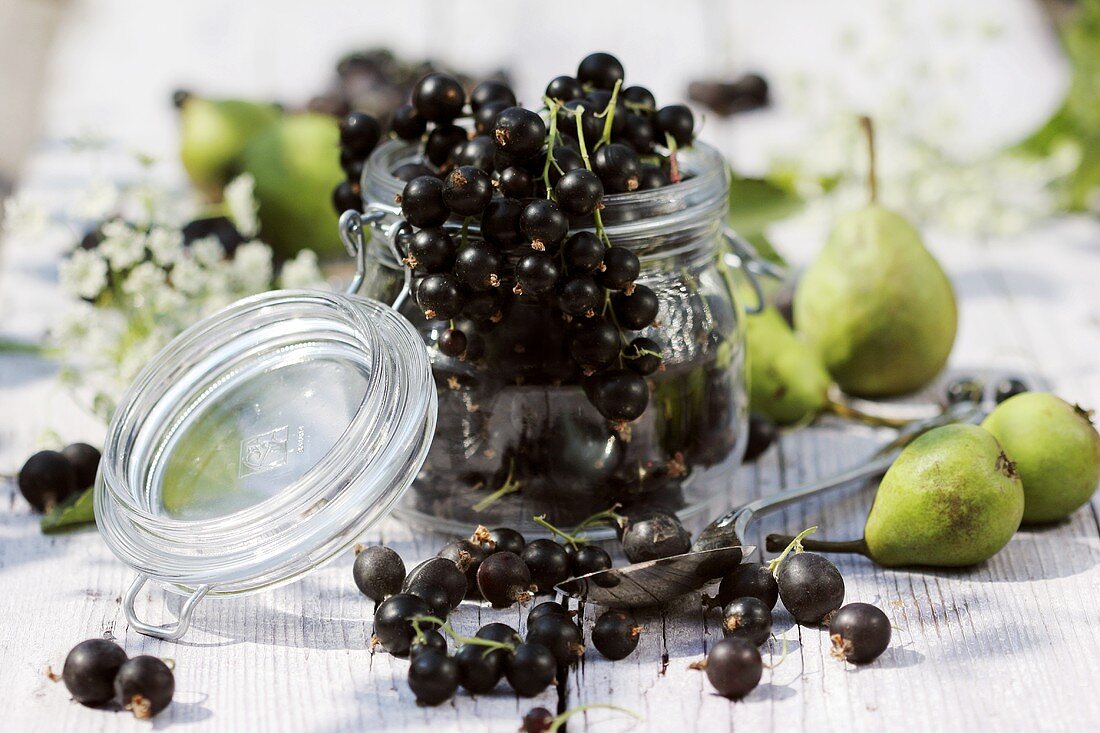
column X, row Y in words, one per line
column 516, row 436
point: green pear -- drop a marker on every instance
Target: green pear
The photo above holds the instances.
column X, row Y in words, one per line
column 877, row 305
column 787, row 381
column 214, row 133
column 296, row 164
column 951, row 499
column 1055, row 448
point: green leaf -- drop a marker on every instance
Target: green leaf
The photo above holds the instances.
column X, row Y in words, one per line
column 756, row 203
column 70, row 514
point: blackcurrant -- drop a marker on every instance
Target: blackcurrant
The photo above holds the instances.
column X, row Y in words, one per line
column 536, row 273
column 90, row 669
column 1007, row 388
column 433, row 677
column 546, row 608
column 483, row 306
column 346, row 196
column 393, row 622
column 467, row 557
column 219, row 227
column 504, row 579
column 589, row 559
column 486, row 116
column 519, row 132
column 479, row 668
column 620, row 268
column 452, row 342
column 747, row 618
column 564, row 89
column 515, row 182
column 531, row 669
column 620, row 395
column 548, row 563
column 583, row 252
column 407, row 123
column 558, row 634
column 408, row 171
column 467, row 190
column 594, row 343
column 615, row 635
column 428, row 639
column 477, row 152
column 378, row 572
column 498, row 632
column 580, row 295
column 490, row 91
column 762, row 433
column 431, row 250
column 543, row 223
column 600, row 70
column 749, row 579
column 85, row 462
column 144, row 685
column 439, row 296
column 47, row 479
column 734, row 668
column 500, row 222
column 640, row 133
column 536, row 720
column 638, row 99
column 676, row 120
column 359, row 133
column 422, row 202
column 860, row 632
column 478, row 266
column 443, row 143
column 618, row 167
column 649, row 535
column 652, row 177
column 438, row 97
column 636, row 310
column 438, row 572
column 505, row 539
column 811, row 587
column 352, row 165
column 643, row 356
column 578, row 192
column 964, row 389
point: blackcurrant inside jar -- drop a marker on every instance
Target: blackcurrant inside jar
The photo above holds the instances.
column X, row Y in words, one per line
column 516, row 436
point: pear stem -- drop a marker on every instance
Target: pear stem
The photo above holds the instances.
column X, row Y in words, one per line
column 847, row 411
column 872, row 176
column 776, row 542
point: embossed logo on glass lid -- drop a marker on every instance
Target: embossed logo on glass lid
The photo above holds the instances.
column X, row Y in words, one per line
column 264, row 452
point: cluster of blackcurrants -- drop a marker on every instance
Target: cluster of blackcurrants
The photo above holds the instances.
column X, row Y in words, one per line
column 500, row 567
column 972, row 389
column 98, row 673
column 50, row 477
column 510, row 210
column 812, row 590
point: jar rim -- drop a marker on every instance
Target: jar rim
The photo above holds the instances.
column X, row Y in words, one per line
column 364, row 471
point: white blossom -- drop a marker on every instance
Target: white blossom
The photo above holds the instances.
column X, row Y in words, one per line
column 84, row 273
column 144, row 280
column 122, row 245
column 302, row 272
column 98, row 201
column 188, row 277
column 252, row 266
column 241, row 202
column 23, row 218
column 208, row 251
column 165, row 244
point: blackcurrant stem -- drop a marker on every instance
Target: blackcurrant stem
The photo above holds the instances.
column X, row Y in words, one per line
column 795, row 546
column 559, row 721
column 578, row 114
column 852, row 547
column 551, row 138
column 872, row 176
column 465, row 230
column 673, row 162
column 446, row 628
column 609, row 116
column 607, row 515
column 508, row 488
column 782, row 654
column 572, row 540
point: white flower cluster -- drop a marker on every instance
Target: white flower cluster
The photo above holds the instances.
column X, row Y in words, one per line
column 141, row 285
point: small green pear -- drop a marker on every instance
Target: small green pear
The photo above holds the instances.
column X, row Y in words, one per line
column 296, row 164
column 876, row 304
column 214, row 133
column 951, row 499
column 787, row 381
column 1055, row 448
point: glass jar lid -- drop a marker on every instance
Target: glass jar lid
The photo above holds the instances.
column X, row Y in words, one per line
column 261, row 442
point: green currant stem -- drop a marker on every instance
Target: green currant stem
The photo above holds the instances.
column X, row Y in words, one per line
column 673, row 163
column 578, row 114
column 509, row 487
column 551, row 139
column 607, row 515
column 446, row 628
column 795, row 546
column 465, row 230
column 609, row 116
column 782, row 655
column 571, row 539
column 560, row 720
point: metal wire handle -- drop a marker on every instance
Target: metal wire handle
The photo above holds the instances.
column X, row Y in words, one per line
column 745, row 257
column 352, row 234
column 169, row 632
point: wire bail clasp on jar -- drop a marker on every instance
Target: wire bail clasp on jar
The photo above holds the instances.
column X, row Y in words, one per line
column 353, row 235
column 744, row 256
column 168, row 632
